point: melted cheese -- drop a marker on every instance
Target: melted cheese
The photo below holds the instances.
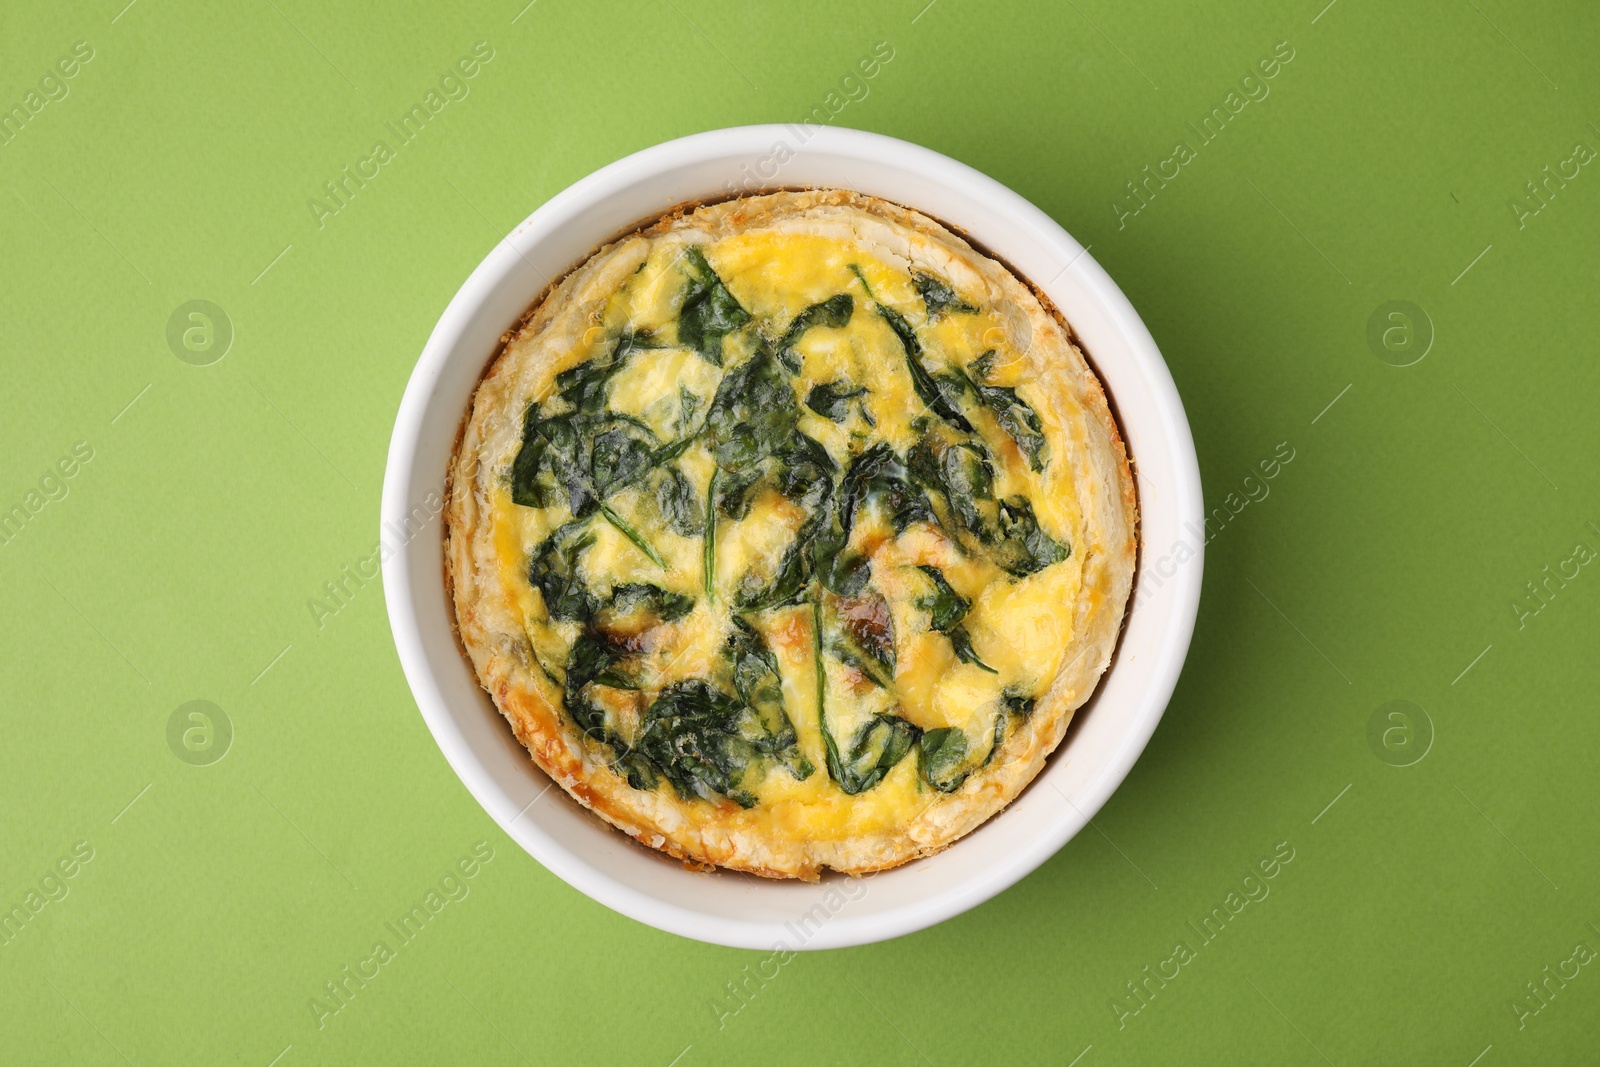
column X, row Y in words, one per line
column 754, row 545
column 652, row 389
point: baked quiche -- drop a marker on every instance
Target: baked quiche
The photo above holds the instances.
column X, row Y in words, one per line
column 788, row 532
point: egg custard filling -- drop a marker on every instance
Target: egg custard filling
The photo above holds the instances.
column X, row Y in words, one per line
column 788, row 532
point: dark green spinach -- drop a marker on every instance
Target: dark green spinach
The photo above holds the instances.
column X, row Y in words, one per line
column 697, row 737
column 834, row 311
column 946, row 606
column 864, row 635
column 1017, row 419
column 626, row 529
column 787, row 583
column 1022, row 547
column 878, row 476
column 755, row 679
column 708, row 548
column 597, row 659
column 676, row 500
column 961, row 641
column 927, row 390
column 939, row 395
column 963, row 475
column 805, row 471
column 553, row 570
column 1017, row 702
column 584, row 386
column 709, row 310
column 832, row 399
column 632, row 597
column 943, row 758
column 579, row 460
column 938, row 296
column 983, row 366
column 876, row 747
column 753, row 413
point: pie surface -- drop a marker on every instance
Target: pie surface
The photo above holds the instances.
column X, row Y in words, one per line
column 788, row 533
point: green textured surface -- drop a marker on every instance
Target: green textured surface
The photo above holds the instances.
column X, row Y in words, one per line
column 1383, row 563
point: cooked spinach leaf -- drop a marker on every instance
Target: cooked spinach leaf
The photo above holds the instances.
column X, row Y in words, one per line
column 696, row 736
column 584, row 386
column 877, row 475
column 707, row 743
column 943, row 758
column 619, row 456
column 946, row 606
column 938, row 296
column 953, row 389
column 709, row 547
column 1017, row 419
column 832, row 399
column 802, row 471
column 961, row 641
column 631, row 597
column 851, row 656
column 927, row 390
column 755, row 679
column 983, row 366
column 626, row 530
column 579, row 459
column 967, row 478
column 1017, row 702
column 935, row 394
column 834, row 311
column 805, row 471
column 877, row 745
column 962, row 473
column 1023, row 548
column 736, row 491
column 553, row 570
column 583, row 458
column 840, row 570
column 862, row 278
column 688, row 404
column 753, row 413
column 821, row 677
column 709, row 311
column 676, row 500
column 598, row 660
column 786, row 585
column 547, row 458
column 703, row 741
column 1001, row 721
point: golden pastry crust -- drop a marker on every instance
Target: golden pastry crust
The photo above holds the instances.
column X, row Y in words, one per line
column 1087, row 486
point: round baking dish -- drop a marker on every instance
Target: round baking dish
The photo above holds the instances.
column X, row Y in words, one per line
column 1109, row 731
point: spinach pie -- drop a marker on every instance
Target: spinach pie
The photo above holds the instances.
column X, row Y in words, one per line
column 788, row 532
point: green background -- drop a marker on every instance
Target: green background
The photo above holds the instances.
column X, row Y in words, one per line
column 1383, row 563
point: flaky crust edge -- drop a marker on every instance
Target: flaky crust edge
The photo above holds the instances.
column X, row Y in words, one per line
column 697, row 833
